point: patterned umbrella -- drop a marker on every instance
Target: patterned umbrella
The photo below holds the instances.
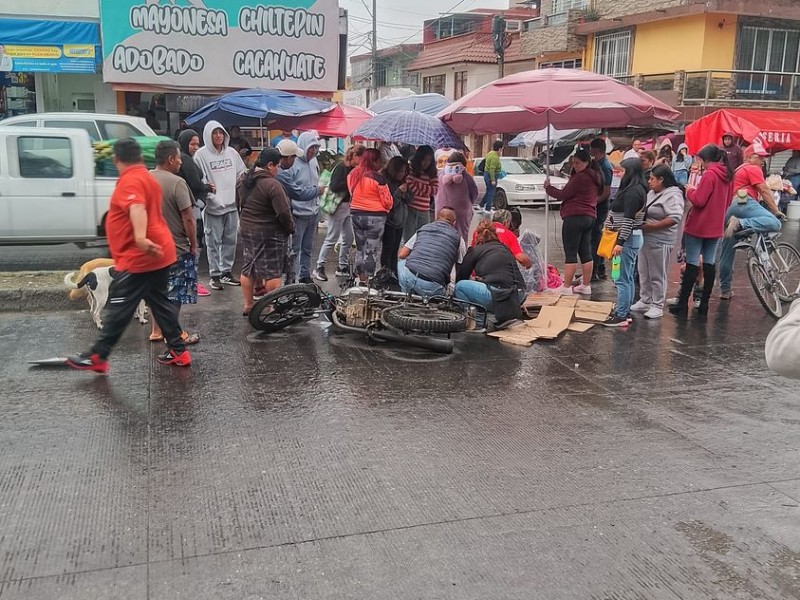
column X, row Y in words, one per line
column 409, row 127
column 430, row 104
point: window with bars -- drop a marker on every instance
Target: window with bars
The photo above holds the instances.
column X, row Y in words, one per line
column 435, row 84
column 460, row 88
column 575, row 63
column 612, row 54
column 766, row 49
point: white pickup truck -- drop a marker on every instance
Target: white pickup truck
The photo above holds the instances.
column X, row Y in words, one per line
column 49, row 193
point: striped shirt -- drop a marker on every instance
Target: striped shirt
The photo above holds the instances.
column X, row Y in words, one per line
column 626, row 213
column 424, row 188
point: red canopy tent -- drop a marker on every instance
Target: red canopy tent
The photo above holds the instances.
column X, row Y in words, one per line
column 773, row 130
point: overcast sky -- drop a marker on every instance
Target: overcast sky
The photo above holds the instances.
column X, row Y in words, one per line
column 401, row 21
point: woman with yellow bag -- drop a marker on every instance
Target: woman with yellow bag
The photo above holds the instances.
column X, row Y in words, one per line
column 625, row 218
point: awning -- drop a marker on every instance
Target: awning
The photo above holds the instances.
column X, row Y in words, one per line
column 49, row 46
column 774, row 130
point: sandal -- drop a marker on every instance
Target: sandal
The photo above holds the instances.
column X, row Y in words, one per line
column 189, row 338
column 156, row 338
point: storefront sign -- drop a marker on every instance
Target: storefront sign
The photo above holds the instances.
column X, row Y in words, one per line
column 292, row 45
column 28, row 46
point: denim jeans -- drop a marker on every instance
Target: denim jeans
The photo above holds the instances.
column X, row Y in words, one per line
column 626, row 288
column 751, row 215
column 695, row 247
column 488, row 198
column 339, row 225
column 477, row 292
column 305, row 228
column 411, row 284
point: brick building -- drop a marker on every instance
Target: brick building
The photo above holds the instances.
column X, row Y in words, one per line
column 458, row 55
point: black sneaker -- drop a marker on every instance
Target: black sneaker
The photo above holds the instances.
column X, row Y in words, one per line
column 343, row 271
column 229, row 279
column 216, row 284
column 319, row 273
column 306, row 280
column 86, row 361
column 615, row 321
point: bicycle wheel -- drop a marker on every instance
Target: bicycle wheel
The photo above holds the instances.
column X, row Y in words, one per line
column 786, row 262
column 764, row 286
column 284, row 307
column 425, row 319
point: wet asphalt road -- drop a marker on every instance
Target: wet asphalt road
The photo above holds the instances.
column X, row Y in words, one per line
column 655, row 463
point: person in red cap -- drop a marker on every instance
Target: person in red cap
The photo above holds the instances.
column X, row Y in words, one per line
column 746, row 211
column 732, row 148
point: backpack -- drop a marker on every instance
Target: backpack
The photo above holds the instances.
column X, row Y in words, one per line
column 481, row 167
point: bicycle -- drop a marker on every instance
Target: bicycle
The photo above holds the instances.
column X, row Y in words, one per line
column 773, row 269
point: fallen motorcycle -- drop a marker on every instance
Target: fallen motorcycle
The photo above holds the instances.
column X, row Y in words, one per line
column 384, row 316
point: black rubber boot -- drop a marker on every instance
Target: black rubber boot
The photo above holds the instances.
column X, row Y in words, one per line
column 709, row 275
column 687, row 282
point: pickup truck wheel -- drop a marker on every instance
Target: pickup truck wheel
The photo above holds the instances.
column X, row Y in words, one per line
column 500, row 199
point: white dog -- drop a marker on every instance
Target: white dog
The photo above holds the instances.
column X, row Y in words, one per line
column 97, row 283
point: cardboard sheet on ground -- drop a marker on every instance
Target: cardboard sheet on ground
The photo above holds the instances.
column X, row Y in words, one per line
column 556, row 314
column 538, row 299
column 593, row 312
column 551, row 322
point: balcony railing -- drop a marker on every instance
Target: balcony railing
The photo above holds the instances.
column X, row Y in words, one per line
column 707, row 88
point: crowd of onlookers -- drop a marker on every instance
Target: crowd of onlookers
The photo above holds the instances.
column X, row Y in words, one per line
column 409, row 219
column 665, row 200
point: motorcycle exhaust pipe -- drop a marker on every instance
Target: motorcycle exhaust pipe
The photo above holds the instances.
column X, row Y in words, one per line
column 440, row 345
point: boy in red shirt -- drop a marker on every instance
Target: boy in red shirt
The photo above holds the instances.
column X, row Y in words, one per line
column 143, row 250
column 745, row 212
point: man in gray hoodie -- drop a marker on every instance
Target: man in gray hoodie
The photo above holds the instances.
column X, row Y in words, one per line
column 221, row 166
column 301, row 182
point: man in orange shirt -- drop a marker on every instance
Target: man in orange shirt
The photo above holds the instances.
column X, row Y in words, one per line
column 143, row 250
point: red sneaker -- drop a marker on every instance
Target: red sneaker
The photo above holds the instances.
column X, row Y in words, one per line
column 88, row 362
column 170, row 357
column 202, row 290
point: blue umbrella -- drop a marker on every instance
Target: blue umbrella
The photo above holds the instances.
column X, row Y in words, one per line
column 250, row 108
column 429, row 104
column 408, row 127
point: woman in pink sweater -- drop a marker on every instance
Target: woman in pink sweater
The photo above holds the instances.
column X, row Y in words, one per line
column 457, row 190
column 424, row 184
column 704, row 226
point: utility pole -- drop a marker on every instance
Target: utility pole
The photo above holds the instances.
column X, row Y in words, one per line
column 499, row 39
column 374, row 79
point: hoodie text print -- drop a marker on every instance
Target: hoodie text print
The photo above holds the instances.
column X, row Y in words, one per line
column 220, row 167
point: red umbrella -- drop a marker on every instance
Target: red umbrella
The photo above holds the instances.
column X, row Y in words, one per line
column 340, row 122
column 561, row 98
column 554, row 98
column 772, row 130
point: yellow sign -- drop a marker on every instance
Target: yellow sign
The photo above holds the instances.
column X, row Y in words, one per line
column 79, row 51
column 33, row 51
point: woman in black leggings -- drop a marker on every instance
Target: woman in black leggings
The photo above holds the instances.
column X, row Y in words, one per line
column 579, row 211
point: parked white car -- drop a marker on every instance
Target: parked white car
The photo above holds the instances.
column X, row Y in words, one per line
column 49, row 193
column 523, row 184
column 98, row 126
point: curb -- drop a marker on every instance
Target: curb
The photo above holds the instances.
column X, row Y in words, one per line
column 38, row 299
